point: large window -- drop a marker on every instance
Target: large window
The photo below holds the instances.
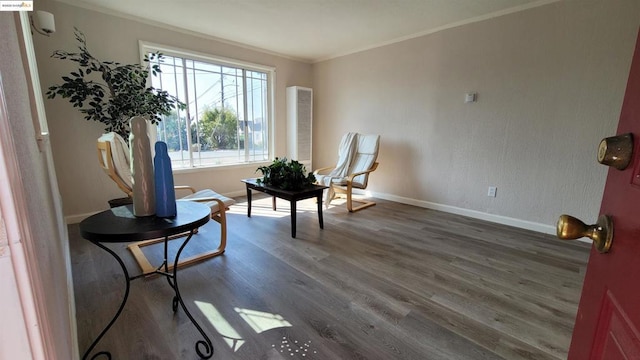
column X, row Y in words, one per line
column 227, row 119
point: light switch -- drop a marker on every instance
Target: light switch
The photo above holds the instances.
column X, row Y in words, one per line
column 470, row 97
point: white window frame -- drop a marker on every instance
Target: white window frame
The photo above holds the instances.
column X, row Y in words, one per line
column 146, row 47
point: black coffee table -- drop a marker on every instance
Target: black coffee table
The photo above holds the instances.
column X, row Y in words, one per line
column 120, row 225
column 292, row 196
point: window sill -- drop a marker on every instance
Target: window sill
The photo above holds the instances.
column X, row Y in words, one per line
column 251, row 165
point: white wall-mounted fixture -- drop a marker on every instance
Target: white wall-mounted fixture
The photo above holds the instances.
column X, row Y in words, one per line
column 492, row 191
column 44, row 22
column 470, row 97
column 300, row 124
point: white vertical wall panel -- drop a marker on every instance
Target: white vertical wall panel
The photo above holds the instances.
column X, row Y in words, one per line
column 14, row 340
column 300, row 124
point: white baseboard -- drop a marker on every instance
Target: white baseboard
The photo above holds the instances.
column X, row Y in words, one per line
column 236, row 193
column 74, row 219
column 505, row 220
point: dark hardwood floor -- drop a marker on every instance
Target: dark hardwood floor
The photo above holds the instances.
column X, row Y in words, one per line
column 390, row 282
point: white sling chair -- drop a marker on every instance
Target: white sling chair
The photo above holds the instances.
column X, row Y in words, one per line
column 356, row 160
column 113, row 154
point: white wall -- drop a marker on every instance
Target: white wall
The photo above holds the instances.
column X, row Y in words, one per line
column 550, row 83
column 84, row 187
column 34, row 229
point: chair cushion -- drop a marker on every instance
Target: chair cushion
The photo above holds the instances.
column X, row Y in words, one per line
column 367, row 152
column 366, row 155
column 334, row 180
column 207, row 193
column 368, row 144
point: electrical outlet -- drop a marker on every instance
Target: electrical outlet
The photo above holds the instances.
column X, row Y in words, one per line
column 492, row 191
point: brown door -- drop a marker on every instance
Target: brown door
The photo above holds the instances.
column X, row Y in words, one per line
column 608, row 317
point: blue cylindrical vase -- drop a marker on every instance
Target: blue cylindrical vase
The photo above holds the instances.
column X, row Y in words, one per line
column 163, row 176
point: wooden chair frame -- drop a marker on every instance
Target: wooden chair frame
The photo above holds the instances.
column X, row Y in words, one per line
column 219, row 216
column 110, row 168
column 347, row 189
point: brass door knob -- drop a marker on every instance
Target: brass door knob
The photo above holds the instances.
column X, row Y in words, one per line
column 570, row 228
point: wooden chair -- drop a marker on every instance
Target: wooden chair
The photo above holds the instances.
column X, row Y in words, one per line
column 113, row 155
column 361, row 164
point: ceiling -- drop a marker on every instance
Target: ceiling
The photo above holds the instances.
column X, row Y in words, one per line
column 310, row 30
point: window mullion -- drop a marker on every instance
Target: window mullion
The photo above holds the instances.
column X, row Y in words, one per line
column 237, row 98
column 188, row 117
column 197, row 107
column 163, row 133
column 175, row 80
column 245, row 101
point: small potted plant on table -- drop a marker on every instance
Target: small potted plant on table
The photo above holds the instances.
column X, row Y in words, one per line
column 287, row 175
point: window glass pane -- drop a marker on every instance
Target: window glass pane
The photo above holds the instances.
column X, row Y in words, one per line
column 230, row 71
column 226, row 120
column 207, row 67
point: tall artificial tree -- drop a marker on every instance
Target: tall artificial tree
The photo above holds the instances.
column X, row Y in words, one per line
column 110, row 92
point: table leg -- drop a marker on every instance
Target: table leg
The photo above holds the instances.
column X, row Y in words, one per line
column 319, row 201
column 124, row 300
column 206, row 345
column 293, row 218
column 248, row 202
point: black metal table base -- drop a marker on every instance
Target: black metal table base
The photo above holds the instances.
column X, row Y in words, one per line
column 204, row 348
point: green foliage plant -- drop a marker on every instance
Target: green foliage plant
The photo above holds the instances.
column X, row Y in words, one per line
column 110, row 92
column 287, row 175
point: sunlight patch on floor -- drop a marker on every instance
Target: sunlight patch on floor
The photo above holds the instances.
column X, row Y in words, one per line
column 262, row 321
column 259, row 321
column 222, row 326
column 262, row 207
column 259, row 210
